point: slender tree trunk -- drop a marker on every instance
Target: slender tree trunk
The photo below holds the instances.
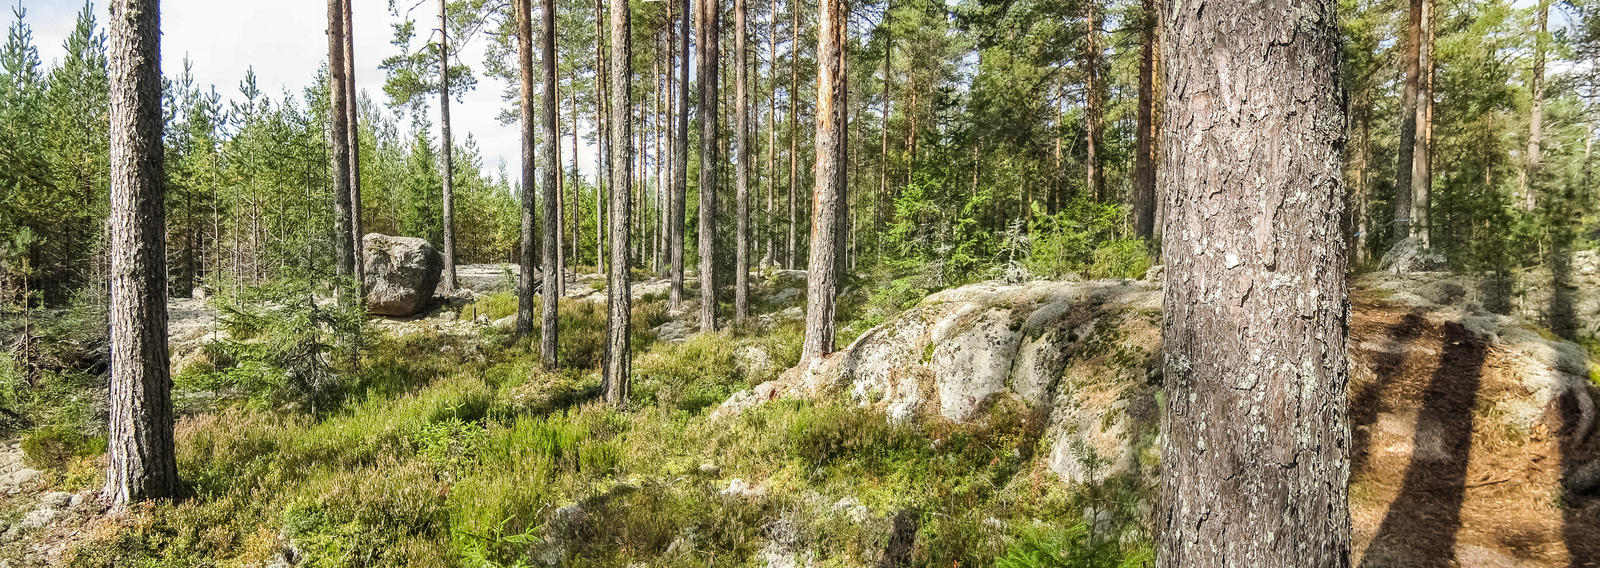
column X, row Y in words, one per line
column 790, row 250
column 1402, row 224
column 881, row 218
column 142, row 463
column 1255, row 452
column 618, row 360
column 602, row 137
column 707, row 48
column 339, row 146
column 911, row 132
column 741, row 137
column 353, row 131
column 680, row 171
column 1144, row 166
column 526, row 256
column 658, row 237
column 1530, row 175
column 552, row 211
column 448, row 278
column 1091, row 118
column 577, row 182
column 1422, row 157
column 768, row 232
column 827, row 201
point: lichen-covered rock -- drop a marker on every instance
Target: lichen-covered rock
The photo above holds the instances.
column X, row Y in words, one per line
column 1079, row 351
column 402, row 273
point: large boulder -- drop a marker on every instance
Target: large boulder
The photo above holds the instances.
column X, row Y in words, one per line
column 402, row 273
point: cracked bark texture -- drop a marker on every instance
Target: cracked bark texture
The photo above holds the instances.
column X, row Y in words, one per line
column 1256, row 437
column 827, row 199
column 526, row 253
column 707, row 55
column 551, row 233
column 142, row 462
column 615, row 379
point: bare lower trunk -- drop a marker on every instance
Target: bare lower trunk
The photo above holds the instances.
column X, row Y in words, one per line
column 827, row 202
column 448, row 278
column 339, row 156
column 1422, row 156
column 707, row 48
column 680, row 171
column 552, row 211
column 1091, row 104
column 741, row 141
column 615, row 378
column 1402, row 224
column 142, row 464
column 1144, row 166
column 353, row 134
column 1530, row 176
column 527, row 252
column 791, row 254
column 1255, row 461
column 768, row 231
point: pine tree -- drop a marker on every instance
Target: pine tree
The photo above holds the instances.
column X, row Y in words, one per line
column 618, row 359
column 140, row 452
column 831, row 193
column 708, row 19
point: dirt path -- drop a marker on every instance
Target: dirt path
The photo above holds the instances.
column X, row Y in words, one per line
column 1440, row 477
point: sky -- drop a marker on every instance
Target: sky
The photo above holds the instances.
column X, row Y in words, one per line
column 286, row 41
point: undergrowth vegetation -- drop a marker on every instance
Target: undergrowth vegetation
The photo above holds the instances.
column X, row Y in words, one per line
column 449, row 449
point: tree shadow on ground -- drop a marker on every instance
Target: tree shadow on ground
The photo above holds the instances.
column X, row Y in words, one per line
column 1387, row 363
column 1420, row 527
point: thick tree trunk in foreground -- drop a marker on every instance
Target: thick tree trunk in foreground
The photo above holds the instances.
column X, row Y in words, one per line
column 1255, row 457
column 353, row 134
column 741, row 141
column 615, row 378
column 707, row 49
column 139, row 446
column 1144, row 163
column 827, row 201
column 526, row 253
column 1408, row 125
column 448, row 278
column 552, row 211
column 680, row 169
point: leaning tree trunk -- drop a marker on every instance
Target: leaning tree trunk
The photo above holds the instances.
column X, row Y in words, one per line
column 525, row 277
column 353, row 134
column 1144, row 166
column 827, row 209
column 1255, row 452
column 680, row 169
column 448, row 278
column 552, row 212
column 706, row 53
column 142, row 464
column 615, row 378
column 741, row 142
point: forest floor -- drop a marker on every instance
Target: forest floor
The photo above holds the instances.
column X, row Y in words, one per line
column 1444, row 472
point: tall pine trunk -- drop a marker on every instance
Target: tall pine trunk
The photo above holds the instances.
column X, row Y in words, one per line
column 707, row 48
column 448, row 278
column 1422, row 154
column 526, row 256
column 1144, row 162
column 828, row 208
column 680, row 169
column 615, row 378
column 548, row 182
column 1091, row 102
column 339, row 156
column 142, row 463
column 794, row 136
column 353, row 135
column 771, row 216
column 1530, row 172
column 741, row 142
column 1402, row 224
column 1256, row 438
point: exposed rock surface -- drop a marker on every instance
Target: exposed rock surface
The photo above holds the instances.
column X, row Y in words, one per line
column 402, row 273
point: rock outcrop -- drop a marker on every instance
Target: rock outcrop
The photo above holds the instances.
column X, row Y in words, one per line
column 1079, row 352
column 402, row 273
